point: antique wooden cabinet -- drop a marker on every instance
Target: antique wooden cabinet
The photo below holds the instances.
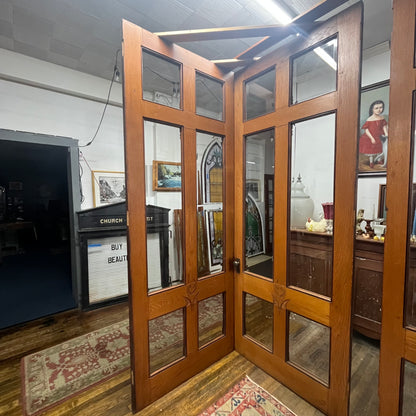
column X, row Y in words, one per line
column 310, row 268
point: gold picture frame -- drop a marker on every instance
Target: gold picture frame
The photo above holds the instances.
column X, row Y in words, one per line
column 167, row 176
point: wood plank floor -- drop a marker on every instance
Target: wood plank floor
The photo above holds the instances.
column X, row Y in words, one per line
column 114, row 396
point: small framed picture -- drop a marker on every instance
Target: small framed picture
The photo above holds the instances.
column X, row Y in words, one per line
column 373, row 139
column 108, row 187
column 167, row 176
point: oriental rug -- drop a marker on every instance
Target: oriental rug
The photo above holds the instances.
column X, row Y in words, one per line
column 247, row 398
column 59, row 372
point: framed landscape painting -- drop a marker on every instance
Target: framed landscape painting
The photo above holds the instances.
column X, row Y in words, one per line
column 167, row 176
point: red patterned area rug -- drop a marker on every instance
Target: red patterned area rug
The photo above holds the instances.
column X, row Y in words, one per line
column 247, row 398
column 59, row 372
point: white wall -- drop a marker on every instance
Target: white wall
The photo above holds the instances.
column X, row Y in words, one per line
column 40, row 97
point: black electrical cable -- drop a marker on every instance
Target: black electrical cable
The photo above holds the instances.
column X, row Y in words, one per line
column 115, row 73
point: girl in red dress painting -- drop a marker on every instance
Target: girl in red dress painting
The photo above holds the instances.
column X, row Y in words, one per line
column 375, row 129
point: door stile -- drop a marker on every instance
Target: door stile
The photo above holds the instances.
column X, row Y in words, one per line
column 190, row 237
column 281, row 219
column 134, row 146
column 398, row 342
column 349, row 82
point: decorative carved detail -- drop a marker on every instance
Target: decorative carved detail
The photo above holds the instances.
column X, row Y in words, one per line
column 192, row 293
column 279, row 294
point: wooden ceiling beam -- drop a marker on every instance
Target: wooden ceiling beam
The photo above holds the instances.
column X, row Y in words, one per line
column 231, row 64
column 302, row 23
column 222, row 33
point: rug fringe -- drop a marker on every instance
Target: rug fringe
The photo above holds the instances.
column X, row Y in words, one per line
column 270, row 394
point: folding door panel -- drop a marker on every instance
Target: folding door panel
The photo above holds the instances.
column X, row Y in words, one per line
column 296, row 123
column 398, row 336
column 178, row 137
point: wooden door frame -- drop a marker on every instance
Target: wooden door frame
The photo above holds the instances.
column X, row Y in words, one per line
column 397, row 342
column 147, row 388
column 336, row 313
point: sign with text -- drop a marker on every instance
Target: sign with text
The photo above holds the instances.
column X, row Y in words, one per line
column 107, row 268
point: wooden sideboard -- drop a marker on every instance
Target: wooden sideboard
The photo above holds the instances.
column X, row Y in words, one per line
column 310, row 268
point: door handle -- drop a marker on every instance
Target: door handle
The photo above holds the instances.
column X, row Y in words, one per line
column 236, row 265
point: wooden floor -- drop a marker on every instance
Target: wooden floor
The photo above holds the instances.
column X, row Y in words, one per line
column 114, row 396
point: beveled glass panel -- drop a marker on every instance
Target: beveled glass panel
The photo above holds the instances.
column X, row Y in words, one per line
column 410, row 297
column 210, row 190
column 161, row 80
column 309, row 346
column 209, row 97
column 311, row 212
column 258, row 320
column 314, row 73
column 259, row 204
column 163, row 205
column 409, row 389
column 166, row 339
column 259, row 96
column 210, row 319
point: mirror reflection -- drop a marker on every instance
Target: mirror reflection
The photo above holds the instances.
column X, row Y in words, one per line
column 161, row 80
column 314, row 73
column 210, row 189
column 311, row 205
column 166, row 339
column 260, row 95
column 258, row 320
column 210, row 319
column 163, row 205
column 209, row 97
column 309, row 346
column 259, row 203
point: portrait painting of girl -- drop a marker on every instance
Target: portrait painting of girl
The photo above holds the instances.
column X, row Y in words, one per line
column 373, row 140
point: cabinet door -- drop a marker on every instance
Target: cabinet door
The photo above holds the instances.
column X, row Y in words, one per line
column 367, row 296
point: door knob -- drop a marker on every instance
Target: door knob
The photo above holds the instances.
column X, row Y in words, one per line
column 236, row 265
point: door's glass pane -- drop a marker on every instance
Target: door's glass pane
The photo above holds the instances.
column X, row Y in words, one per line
column 163, row 205
column 258, row 320
column 161, row 80
column 209, row 97
column 410, row 311
column 311, row 205
column 309, row 346
column 259, row 175
column 409, row 389
column 314, row 73
column 210, row 319
column 166, row 339
column 210, row 189
column 260, row 95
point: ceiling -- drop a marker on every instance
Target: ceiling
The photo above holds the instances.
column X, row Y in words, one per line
column 85, row 34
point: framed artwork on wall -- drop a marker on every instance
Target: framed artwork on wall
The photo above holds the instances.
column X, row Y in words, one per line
column 373, row 138
column 108, row 187
column 167, row 176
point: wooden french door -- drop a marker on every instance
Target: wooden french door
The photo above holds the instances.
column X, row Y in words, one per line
column 178, row 137
column 296, row 118
column 398, row 337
